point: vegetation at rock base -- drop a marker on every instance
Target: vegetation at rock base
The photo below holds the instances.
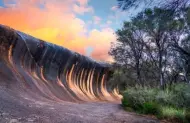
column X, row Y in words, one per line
column 170, row 103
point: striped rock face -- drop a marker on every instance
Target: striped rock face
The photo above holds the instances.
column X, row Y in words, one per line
column 48, row 71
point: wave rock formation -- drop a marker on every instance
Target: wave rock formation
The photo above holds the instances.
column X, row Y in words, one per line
column 48, row 71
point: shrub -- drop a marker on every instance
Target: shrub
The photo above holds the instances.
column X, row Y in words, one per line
column 131, row 99
column 172, row 113
column 175, row 100
column 187, row 116
column 164, row 97
column 181, row 95
column 124, row 102
column 151, row 108
column 136, row 97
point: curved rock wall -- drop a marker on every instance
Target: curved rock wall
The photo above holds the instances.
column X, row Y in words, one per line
column 54, row 72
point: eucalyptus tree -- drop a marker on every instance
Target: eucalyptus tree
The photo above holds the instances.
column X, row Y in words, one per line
column 169, row 4
column 146, row 36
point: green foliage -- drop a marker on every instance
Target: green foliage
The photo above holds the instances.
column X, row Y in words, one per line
column 154, row 45
column 177, row 95
column 151, row 108
column 187, row 116
column 140, row 99
column 144, row 42
column 172, row 4
column 125, row 102
column 172, row 113
column 135, row 97
column 122, row 79
column 127, row 4
column 164, row 97
column 171, row 103
column 153, row 50
column 182, row 95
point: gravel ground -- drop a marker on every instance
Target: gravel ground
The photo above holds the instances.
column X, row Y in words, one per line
column 24, row 109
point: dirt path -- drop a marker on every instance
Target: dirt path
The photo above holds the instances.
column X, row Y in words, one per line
column 23, row 109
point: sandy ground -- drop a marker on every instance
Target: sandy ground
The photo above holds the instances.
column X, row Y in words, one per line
column 22, row 109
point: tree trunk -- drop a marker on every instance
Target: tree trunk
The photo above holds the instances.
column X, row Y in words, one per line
column 138, row 73
column 186, row 77
column 161, row 74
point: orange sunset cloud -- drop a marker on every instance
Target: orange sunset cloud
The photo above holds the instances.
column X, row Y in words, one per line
column 55, row 21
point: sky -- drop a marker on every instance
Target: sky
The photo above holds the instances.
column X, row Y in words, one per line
column 84, row 26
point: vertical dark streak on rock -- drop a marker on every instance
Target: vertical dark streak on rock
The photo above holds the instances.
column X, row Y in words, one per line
column 46, row 69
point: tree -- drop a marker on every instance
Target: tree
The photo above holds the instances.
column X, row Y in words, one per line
column 180, row 41
column 169, row 4
column 154, row 46
column 129, row 49
column 183, row 50
column 145, row 37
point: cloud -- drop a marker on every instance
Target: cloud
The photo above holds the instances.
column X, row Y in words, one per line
column 56, row 22
column 82, row 9
column 96, row 19
column 101, row 42
column 114, row 8
column 89, row 22
column 106, row 25
column 109, row 22
column 82, row 2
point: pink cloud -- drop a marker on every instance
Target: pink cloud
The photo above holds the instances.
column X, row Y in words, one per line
column 58, row 24
column 96, row 19
column 82, row 9
column 101, row 42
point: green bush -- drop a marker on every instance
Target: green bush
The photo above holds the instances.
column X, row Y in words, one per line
column 164, row 97
column 135, row 97
column 175, row 100
column 124, row 102
column 181, row 96
column 177, row 96
column 131, row 99
column 187, row 116
column 151, row 108
column 172, row 113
